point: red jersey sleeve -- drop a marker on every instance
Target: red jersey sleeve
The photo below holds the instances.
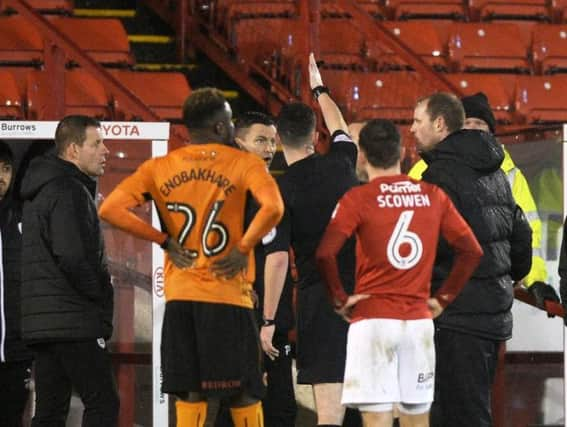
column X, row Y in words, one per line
column 466, row 247
column 343, row 224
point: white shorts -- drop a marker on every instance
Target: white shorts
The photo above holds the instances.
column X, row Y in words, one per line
column 389, row 361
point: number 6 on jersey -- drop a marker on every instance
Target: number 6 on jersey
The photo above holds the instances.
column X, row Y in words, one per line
column 400, row 236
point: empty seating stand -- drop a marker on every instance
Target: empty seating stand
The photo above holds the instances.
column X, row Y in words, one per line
column 496, row 87
column 422, row 38
column 228, row 11
column 374, row 8
column 83, row 95
column 487, row 47
column 270, row 45
column 49, row 6
column 105, row 40
column 163, row 92
column 539, row 99
column 408, row 9
column 509, row 9
column 341, row 43
column 390, row 95
column 559, row 10
column 549, row 48
column 20, row 43
column 10, row 100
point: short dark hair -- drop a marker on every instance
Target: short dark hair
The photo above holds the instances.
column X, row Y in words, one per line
column 73, row 129
column 6, row 154
column 251, row 118
column 380, row 142
column 296, row 124
column 202, row 108
column 448, row 106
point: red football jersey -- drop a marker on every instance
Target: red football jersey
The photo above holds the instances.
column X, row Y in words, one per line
column 397, row 222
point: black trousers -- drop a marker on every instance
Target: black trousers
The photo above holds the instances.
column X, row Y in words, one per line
column 84, row 366
column 279, row 405
column 14, row 393
column 465, row 369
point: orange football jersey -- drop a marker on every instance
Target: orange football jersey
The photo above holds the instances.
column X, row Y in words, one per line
column 200, row 192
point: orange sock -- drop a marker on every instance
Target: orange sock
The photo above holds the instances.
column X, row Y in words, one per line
column 191, row 414
column 248, row 416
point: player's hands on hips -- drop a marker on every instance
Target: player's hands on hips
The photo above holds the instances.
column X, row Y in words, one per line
column 266, row 337
column 346, row 310
column 230, row 265
column 314, row 74
column 435, row 307
column 179, row 256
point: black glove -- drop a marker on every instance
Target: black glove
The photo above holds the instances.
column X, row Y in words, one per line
column 543, row 292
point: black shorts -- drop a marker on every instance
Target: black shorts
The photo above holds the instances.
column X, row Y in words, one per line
column 213, row 349
column 321, row 338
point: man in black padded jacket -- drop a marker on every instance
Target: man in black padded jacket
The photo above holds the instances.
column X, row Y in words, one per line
column 67, row 295
column 466, row 165
column 15, row 357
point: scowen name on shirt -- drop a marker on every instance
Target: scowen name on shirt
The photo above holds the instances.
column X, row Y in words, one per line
column 404, row 194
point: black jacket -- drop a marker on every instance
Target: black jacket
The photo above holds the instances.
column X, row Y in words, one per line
column 66, row 289
column 12, row 347
column 466, row 165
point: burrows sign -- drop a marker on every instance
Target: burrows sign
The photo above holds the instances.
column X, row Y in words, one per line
column 110, row 130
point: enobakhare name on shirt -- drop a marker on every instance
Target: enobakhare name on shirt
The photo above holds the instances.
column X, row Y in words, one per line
column 402, row 195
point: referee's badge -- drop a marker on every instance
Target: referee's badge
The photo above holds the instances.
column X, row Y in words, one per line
column 269, row 238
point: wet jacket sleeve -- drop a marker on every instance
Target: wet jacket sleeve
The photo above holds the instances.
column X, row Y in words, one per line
column 69, row 222
column 467, row 252
column 520, row 246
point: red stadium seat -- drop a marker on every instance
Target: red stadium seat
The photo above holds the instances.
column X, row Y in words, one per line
column 10, row 100
column 105, row 40
column 559, row 8
column 549, row 48
column 229, row 10
column 163, row 92
column 19, row 41
column 50, row 6
column 83, row 95
column 495, row 88
column 340, row 42
column 488, row 47
column 389, row 95
column 510, row 9
column 422, row 38
column 538, row 98
column 405, row 9
column 374, row 8
column 273, row 45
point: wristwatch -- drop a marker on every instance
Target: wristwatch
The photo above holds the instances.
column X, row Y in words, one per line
column 268, row 322
column 318, row 90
